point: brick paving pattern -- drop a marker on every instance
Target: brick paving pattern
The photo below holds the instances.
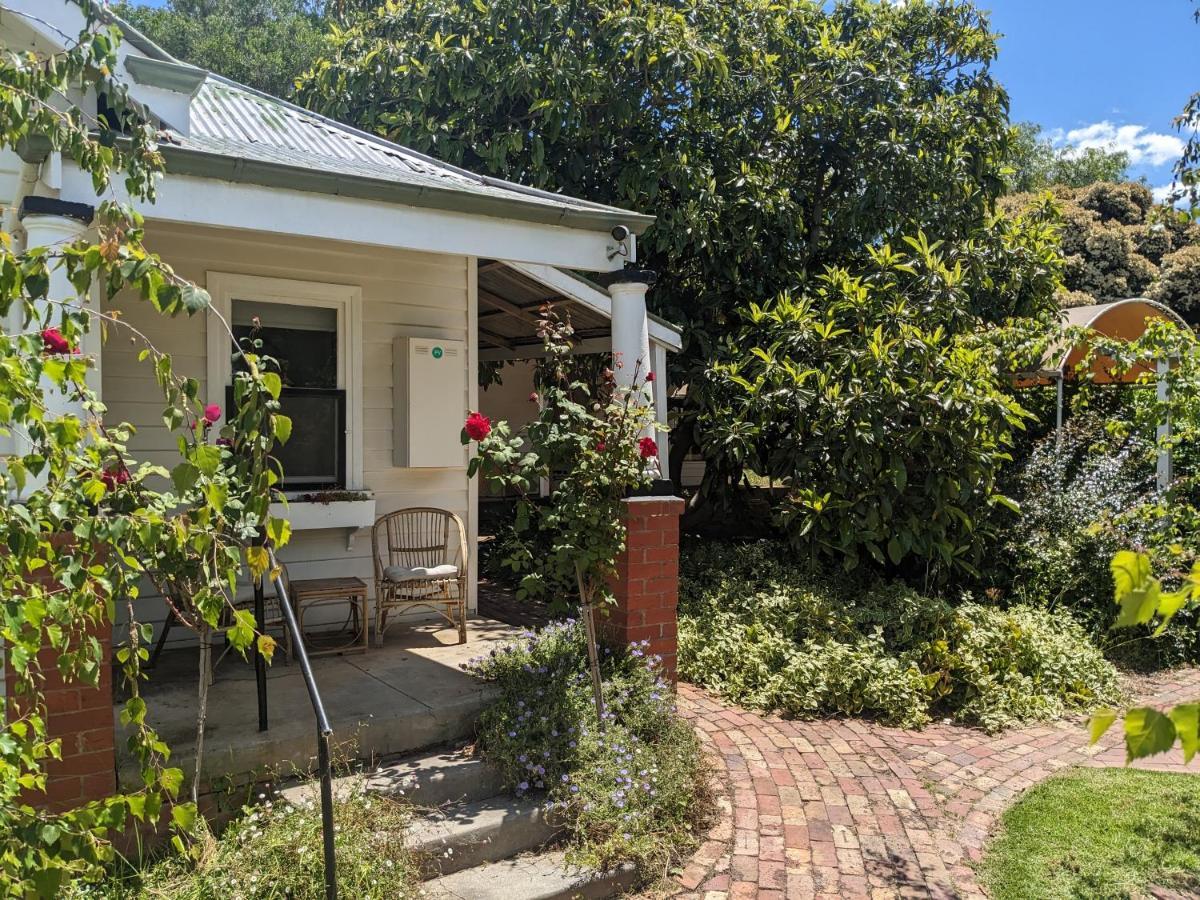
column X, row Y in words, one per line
column 852, row 809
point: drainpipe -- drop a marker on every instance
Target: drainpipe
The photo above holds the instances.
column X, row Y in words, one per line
column 26, row 180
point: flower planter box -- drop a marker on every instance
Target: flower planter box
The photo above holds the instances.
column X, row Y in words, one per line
column 348, row 515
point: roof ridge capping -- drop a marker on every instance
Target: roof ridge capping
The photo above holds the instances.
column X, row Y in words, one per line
column 181, row 77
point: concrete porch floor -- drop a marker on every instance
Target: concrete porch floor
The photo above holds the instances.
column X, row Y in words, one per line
column 407, row 695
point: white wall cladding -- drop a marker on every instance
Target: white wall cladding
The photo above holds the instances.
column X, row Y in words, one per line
column 403, row 293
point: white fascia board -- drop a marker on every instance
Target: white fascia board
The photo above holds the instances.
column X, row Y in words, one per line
column 596, row 300
column 222, row 204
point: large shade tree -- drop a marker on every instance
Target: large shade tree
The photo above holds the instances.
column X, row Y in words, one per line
column 1118, row 243
column 1036, row 162
column 261, row 43
column 770, row 139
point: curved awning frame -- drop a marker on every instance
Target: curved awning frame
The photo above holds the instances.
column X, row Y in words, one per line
column 1122, row 319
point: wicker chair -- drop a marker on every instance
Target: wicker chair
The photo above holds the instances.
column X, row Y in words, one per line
column 420, row 562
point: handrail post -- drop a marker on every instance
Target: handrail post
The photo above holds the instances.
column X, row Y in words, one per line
column 260, row 664
column 324, row 730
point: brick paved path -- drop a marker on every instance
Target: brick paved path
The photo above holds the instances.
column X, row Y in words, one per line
column 846, row 808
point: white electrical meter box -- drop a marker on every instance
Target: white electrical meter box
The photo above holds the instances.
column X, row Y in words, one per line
column 430, row 395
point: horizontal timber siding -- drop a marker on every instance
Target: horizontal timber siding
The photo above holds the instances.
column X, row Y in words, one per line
column 403, row 293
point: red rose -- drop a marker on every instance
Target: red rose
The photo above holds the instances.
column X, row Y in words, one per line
column 533, row 398
column 600, row 446
column 478, row 426
column 649, row 377
column 54, row 342
column 113, row 477
column 647, row 448
column 212, row 414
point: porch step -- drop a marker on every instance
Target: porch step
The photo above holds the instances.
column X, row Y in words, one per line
column 471, row 834
column 545, row 876
column 431, row 780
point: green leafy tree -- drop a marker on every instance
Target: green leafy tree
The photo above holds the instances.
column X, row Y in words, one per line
column 83, row 522
column 769, row 139
column 265, row 44
column 1187, row 169
column 885, row 430
column 1143, row 600
column 1037, row 164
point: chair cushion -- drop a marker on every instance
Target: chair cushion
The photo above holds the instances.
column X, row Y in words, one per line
column 419, row 573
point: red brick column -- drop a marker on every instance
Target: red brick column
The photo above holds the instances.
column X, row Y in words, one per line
column 647, row 582
column 81, row 716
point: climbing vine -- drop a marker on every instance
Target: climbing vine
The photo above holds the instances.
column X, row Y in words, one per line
column 86, row 526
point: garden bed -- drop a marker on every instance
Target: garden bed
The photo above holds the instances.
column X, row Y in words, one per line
column 759, row 631
column 633, row 789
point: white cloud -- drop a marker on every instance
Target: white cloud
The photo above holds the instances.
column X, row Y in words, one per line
column 1163, row 192
column 1142, row 146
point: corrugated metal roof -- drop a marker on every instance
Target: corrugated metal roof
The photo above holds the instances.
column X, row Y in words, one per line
column 234, row 114
column 236, row 122
column 231, row 120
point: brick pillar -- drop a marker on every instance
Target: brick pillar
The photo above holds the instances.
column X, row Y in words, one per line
column 81, row 716
column 647, row 582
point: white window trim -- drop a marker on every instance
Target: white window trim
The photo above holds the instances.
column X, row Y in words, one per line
column 345, row 299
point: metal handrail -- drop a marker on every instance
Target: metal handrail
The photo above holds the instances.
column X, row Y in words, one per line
column 324, row 729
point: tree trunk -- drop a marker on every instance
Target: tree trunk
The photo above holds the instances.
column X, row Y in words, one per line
column 205, row 635
column 589, row 628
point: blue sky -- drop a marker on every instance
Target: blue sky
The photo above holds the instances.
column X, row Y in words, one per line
column 1099, row 72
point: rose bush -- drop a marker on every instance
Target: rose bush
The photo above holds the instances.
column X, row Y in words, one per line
column 587, row 440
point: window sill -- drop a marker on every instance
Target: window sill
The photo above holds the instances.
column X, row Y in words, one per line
column 347, row 515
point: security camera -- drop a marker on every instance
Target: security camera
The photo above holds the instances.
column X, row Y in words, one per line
column 620, row 233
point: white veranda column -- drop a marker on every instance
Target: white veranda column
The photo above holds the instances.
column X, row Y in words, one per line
column 55, row 223
column 631, row 330
column 659, row 356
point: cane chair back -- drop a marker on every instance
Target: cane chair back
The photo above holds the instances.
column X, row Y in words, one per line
column 420, row 559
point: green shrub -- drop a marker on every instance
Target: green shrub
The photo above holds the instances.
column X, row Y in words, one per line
column 1071, row 488
column 1085, row 494
column 885, row 429
column 630, row 791
column 522, row 561
column 274, row 851
column 760, row 632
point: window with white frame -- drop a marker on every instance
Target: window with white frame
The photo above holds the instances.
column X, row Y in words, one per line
column 312, row 330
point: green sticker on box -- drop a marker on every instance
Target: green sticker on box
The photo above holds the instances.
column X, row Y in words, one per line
column 437, row 352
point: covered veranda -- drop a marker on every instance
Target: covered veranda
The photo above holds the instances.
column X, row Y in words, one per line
column 613, row 319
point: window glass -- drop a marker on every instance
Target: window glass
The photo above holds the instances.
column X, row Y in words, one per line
column 302, row 338
column 304, row 342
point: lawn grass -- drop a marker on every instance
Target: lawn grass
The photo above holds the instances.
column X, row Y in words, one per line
column 1098, row 833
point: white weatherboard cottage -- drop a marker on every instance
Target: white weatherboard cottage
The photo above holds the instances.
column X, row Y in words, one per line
column 382, row 278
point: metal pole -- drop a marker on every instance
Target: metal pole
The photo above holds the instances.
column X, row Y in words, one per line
column 324, row 730
column 260, row 664
column 331, row 890
column 1163, row 433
